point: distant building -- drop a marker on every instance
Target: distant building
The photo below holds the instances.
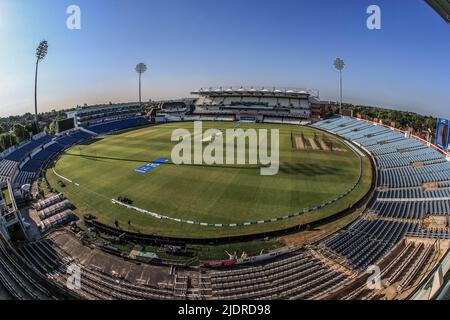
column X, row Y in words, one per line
column 273, row 102
column 92, row 115
column 319, row 108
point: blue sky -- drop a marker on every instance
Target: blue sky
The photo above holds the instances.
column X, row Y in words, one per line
column 189, row 44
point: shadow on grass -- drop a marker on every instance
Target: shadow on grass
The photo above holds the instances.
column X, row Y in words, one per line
column 91, row 157
column 140, row 161
column 285, row 168
column 309, row 169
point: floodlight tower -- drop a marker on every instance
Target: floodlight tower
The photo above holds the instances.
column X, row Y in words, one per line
column 339, row 64
column 140, row 69
column 41, row 52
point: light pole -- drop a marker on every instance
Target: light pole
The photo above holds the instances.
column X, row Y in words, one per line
column 41, row 52
column 339, row 64
column 140, row 68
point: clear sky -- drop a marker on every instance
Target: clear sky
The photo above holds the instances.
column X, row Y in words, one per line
column 189, row 44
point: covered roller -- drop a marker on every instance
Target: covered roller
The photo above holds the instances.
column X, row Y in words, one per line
column 54, row 209
column 40, row 205
column 57, row 220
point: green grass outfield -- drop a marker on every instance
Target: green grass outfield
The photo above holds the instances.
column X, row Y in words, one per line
column 104, row 169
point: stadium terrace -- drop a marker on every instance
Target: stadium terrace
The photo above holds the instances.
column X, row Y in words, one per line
column 274, row 101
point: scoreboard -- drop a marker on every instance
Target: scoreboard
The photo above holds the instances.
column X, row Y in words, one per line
column 65, row 125
column 442, row 133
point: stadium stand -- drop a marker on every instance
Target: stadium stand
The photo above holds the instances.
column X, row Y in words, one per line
column 7, row 168
column 413, row 182
column 366, row 241
column 17, row 278
column 93, row 115
column 33, row 165
column 35, row 154
column 24, row 177
column 48, row 258
column 261, row 101
column 300, row 276
column 24, row 150
column 81, row 136
column 119, row 125
column 402, row 268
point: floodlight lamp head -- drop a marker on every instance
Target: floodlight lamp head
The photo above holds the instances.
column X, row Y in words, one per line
column 339, row 64
column 141, row 68
column 41, row 50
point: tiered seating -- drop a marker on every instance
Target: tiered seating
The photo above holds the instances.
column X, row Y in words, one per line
column 171, row 118
column 403, row 163
column 395, row 160
column 414, row 181
column 44, row 154
column 119, row 125
column 81, row 136
column 414, row 177
column 27, row 148
column 275, row 120
column 33, row 165
column 29, row 170
column 71, row 139
column 66, row 141
column 271, row 102
column 225, row 118
column 410, row 210
column 49, row 260
column 217, row 101
column 208, row 118
column 40, row 159
column 414, row 258
column 403, row 269
column 291, row 121
column 192, row 118
column 54, row 148
column 300, row 276
column 17, row 277
column 412, row 194
column 400, row 203
column 365, row 242
column 433, row 233
column 24, row 177
column 7, row 168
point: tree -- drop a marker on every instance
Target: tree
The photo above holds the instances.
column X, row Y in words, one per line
column 7, row 140
column 20, row 132
column 31, row 127
column 52, row 127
